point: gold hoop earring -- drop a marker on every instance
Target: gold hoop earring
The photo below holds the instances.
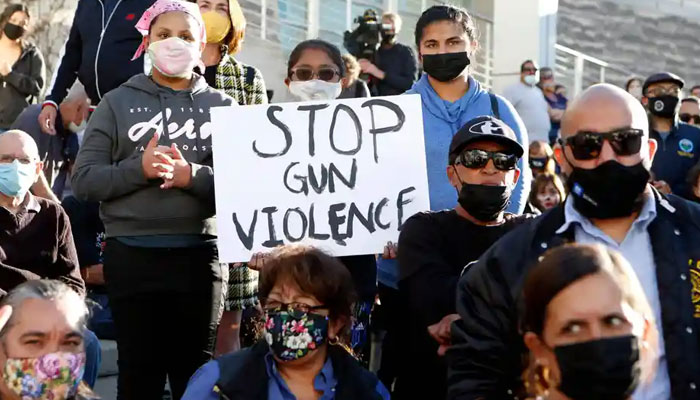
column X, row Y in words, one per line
column 333, row 341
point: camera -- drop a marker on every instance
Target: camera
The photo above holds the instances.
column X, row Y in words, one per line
column 364, row 41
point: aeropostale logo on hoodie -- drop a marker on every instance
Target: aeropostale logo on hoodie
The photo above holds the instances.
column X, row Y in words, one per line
column 184, row 134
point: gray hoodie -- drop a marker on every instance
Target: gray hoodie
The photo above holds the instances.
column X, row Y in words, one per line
column 108, row 168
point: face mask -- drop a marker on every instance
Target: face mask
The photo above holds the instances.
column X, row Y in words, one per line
column 664, row 106
column 445, row 67
column 292, row 337
column 54, row 376
column 531, row 80
column 16, row 178
column 77, row 128
column 636, row 92
column 605, row 369
column 388, row 36
column 174, row 57
column 538, row 163
column 13, row 32
column 315, row 90
column 484, row 202
column 611, row 190
column 217, row 26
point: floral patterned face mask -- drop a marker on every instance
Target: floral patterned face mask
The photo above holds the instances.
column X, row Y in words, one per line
column 53, row 376
column 292, row 334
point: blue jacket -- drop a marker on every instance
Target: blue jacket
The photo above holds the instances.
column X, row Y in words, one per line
column 676, row 155
column 441, row 120
column 99, row 48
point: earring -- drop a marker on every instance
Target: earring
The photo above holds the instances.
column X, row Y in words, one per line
column 333, row 341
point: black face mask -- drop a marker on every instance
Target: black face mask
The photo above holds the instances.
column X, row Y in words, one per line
column 445, row 67
column 605, row 369
column 611, row 190
column 484, row 202
column 387, row 37
column 664, row 106
column 12, row 31
column 538, row 163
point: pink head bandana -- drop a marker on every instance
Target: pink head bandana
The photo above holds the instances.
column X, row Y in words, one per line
column 164, row 6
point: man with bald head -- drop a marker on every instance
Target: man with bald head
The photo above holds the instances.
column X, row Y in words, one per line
column 606, row 153
column 35, row 235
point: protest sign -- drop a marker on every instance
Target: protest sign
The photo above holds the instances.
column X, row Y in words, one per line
column 342, row 175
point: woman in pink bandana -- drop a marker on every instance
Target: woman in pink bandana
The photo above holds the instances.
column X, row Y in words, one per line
column 147, row 158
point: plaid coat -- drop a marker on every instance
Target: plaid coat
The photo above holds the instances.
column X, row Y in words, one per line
column 242, row 82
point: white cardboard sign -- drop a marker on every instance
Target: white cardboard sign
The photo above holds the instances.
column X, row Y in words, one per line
column 342, row 175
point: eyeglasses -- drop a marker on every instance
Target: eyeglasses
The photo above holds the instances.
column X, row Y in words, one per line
column 307, row 74
column 296, row 310
column 663, row 91
column 588, row 145
column 533, row 70
column 690, row 118
column 476, row 158
column 8, row 159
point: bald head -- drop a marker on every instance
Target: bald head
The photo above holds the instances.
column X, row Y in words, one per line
column 604, row 108
column 18, row 144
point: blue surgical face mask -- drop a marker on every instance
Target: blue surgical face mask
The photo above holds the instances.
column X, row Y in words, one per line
column 16, row 178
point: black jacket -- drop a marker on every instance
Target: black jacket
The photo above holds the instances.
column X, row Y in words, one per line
column 102, row 62
column 243, row 375
column 22, row 85
column 486, row 358
column 401, row 68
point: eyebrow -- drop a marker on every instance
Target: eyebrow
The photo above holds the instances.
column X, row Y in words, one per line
column 73, row 334
column 33, row 333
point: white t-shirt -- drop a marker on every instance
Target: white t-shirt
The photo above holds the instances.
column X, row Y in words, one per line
column 532, row 107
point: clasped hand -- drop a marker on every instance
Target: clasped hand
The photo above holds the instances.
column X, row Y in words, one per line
column 166, row 163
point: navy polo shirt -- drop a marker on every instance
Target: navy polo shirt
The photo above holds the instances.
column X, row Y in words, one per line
column 677, row 153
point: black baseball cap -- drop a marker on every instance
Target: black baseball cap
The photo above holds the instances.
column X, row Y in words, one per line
column 484, row 128
column 662, row 77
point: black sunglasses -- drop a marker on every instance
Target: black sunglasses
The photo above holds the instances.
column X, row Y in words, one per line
column 476, row 158
column 588, row 145
column 690, row 118
column 307, row 74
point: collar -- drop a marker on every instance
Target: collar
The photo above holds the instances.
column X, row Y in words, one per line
column 30, row 203
column 572, row 216
column 324, row 379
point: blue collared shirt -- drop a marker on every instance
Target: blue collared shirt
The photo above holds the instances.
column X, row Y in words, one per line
column 636, row 247
column 201, row 385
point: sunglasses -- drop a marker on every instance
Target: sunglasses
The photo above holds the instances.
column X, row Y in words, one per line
column 690, row 119
column 479, row 158
column 296, row 310
column 588, row 145
column 533, row 70
column 307, row 74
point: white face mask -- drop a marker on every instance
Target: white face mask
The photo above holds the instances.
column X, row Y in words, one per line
column 174, row 57
column 315, row 90
column 636, row 92
column 531, row 80
column 77, row 128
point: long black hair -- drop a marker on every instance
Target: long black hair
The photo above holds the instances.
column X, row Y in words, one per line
column 317, row 44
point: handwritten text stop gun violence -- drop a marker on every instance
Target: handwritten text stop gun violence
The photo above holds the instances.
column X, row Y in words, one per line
column 326, row 178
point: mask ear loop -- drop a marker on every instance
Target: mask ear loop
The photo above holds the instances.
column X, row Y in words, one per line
column 458, row 178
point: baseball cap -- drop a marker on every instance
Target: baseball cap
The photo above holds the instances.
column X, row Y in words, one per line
column 485, row 128
column 663, row 77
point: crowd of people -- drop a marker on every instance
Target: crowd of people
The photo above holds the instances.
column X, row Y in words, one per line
column 558, row 258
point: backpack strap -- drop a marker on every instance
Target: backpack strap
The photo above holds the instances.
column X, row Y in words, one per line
column 494, row 106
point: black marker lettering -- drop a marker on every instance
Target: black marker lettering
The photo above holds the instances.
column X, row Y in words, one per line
column 400, row 202
column 333, row 172
column 304, row 224
column 304, row 186
column 315, row 185
column 378, row 214
column 358, row 130
column 312, row 226
column 335, row 220
column 400, row 116
column 285, row 130
column 272, row 241
column 246, row 239
column 368, row 222
column 312, row 108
